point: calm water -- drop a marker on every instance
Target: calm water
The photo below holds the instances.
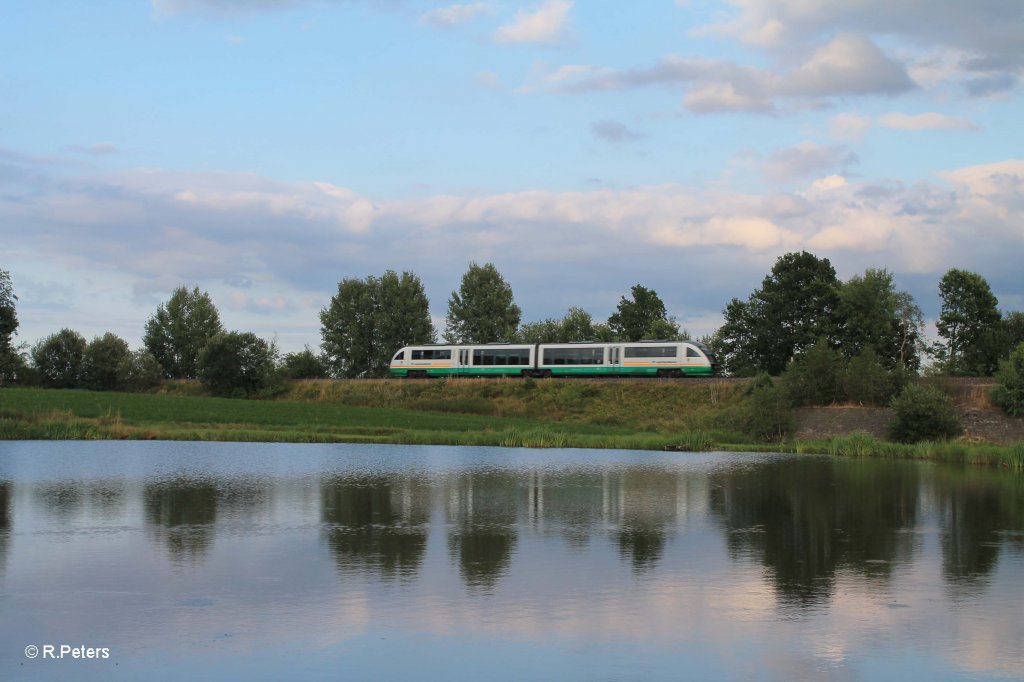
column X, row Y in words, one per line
column 225, row 561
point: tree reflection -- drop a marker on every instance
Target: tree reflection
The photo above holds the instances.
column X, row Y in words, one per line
column 180, row 514
column 6, row 502
column 642, row 503
column 976, row 508
column 805, row 519
column 482, row 506
column 375, row 523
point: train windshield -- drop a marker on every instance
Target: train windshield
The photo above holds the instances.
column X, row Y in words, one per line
column 707, row 351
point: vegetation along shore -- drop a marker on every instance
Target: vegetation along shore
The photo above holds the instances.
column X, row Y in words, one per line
column 651, row 415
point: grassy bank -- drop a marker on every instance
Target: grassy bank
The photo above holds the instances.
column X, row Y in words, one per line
column 645, row 415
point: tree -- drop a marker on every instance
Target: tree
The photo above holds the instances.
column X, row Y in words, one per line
column 643, row 317
column 970, row 323
column 10, row 359
column 795, row 306
column 236, row 364
column 305, row 365
column 815, row 377
column 102, row 363
column 369, row 319
column 178, row 331
column 483, row 309
column 58, row 359
column 874, row 315
column 1008, row 393
column 140, row 371
column 924, row 413
column 577, row 325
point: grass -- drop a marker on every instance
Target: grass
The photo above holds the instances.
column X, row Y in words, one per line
column 515, row 413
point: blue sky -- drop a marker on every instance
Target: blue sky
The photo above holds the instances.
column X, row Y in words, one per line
column 265, row 149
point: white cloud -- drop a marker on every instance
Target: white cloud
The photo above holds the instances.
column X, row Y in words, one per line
column 849, row 126
column 453, row 15
column 804, row 160
column 546, row 25
column 285, row 244
column 926, row 121
column 849, row 64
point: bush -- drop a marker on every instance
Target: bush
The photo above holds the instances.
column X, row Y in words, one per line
column 304, row 365
column 924, row 413
column 58, row 359
column 768, row 412
column 866, row 380
column 139, row 371
column 815, row 377
column 1009, row 389
column 101, row 363
column 236, row 364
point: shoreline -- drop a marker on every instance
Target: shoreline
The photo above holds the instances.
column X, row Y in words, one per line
column 690, row 418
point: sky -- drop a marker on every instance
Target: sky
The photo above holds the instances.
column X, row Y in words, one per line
column 264, row 150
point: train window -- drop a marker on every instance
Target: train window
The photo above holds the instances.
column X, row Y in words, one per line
column 650, row 352
column 431, row 354
column 574, row 356
column 504, row 356
column 692, row 353
column 400, row 355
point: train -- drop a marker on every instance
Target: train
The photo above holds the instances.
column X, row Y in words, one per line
column 582, row 359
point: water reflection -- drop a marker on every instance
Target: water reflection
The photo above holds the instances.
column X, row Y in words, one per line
column 180, row 514
column 482, row 510
column 375, row 523
column 805, row 520
column 5, row 520
column 810, row 566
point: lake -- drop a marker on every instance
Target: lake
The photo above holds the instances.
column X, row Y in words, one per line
column 212, row 561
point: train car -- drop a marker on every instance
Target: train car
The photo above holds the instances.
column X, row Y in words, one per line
column 492, row 359
column 641, row 358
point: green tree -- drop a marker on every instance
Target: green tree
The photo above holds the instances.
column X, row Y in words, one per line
column 924, row 413
column 970, row 323
column 795, row 306
column 102, row 363
column 815, row 377
column 873, row 314
column 236, row 364
column 180, row 329
column 767, row 410
column 369, row 319
column 576, row 325
column 1008, row 393
column 305, row 364
column 643, row 316
column 140, row 371
column 58, row 359
column 10, row 359
column 869, row 382
column 483, row 310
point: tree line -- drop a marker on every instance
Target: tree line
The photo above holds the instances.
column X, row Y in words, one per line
column 855, row 328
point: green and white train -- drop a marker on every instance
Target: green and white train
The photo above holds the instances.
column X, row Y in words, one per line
column 640, row 358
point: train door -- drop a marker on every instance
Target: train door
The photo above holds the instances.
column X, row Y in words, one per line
column 463, row 362
column 614, row 359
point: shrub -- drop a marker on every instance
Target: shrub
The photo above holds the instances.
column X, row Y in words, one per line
column 924, row 413
column 236, row 364
column 1008, row 392
column 868, row 382
column 815, row 377
column 139, row 371
column 101, row 363
column 768, row 412
column 304, row 365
